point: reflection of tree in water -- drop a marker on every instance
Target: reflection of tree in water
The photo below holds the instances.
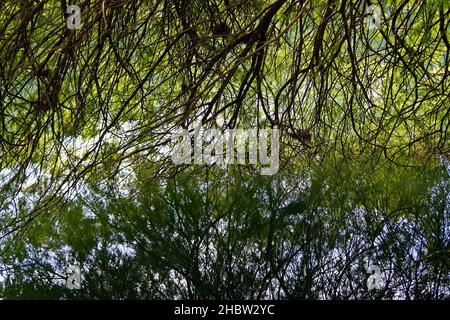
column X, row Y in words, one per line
column 244, row 237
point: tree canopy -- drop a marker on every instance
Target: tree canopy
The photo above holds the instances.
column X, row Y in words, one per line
column 359, row 90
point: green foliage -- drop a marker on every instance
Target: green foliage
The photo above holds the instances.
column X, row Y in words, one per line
column 85, row 171
column 215, row 235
